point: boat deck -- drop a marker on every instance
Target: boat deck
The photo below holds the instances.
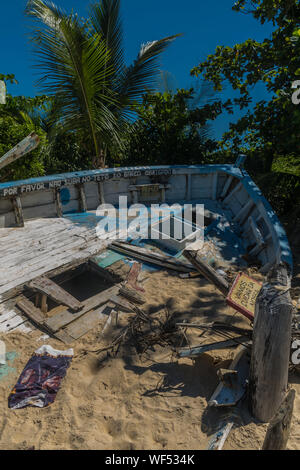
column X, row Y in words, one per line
column 41, row 247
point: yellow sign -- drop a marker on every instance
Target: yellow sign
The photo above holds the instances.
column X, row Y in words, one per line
column 243, row 295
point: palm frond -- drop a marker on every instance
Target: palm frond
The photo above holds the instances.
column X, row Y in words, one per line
column 75, row 71
column 105, row 19
column 141, row 76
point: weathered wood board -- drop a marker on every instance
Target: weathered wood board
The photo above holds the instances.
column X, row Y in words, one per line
column 34, row 314
column 84, row 324
column 195, row 351
column 55, row 292
column 151, row 257
column 63, row 319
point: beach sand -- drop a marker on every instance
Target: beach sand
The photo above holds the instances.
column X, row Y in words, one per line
column 132, row 402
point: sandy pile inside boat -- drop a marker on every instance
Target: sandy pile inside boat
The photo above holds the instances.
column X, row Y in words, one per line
column 130, row 403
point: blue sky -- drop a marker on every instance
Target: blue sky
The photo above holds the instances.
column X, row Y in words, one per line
column 205, row 24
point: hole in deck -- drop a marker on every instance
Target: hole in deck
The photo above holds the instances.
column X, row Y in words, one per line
column 85, row 285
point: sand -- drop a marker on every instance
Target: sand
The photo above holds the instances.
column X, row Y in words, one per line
column 119, row 405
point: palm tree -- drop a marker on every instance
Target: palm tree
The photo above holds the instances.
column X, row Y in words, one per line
column 82, row 64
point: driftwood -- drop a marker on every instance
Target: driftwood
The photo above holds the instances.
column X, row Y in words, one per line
column 207, row 271
column 271, row 345
column 132, row 295
column 278, row 432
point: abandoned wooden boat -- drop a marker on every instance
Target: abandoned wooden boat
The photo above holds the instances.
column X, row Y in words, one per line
column 48, row 235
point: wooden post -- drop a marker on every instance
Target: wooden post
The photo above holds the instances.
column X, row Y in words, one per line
column 207, row 271
column 44, row 305
column 82, row 198
column 59, row 209
column 101, row 193
column 17, row 205
column 271, row 345
column 278, row 432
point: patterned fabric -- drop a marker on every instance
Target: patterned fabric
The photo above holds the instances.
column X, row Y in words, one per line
column 41, row 378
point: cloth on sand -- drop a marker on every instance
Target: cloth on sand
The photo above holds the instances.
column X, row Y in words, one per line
column 41, row 378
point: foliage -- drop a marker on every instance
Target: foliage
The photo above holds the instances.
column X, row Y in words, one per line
column 168, row 131
column 18, row 118
column 11, row 133
column 67, row 152
column 271, row 129
column 82, row 64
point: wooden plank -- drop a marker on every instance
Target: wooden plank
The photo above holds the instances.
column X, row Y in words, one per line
column 244, row 212
column 65, row 318
column 23, row 328
column 34, row 314
column 25, row 146
column 101, row 193
column 151, row 257
column 272, row 333
column 226, row 186
column 195, row 351
column 237, row 188
column 207, row 271
column 121, row 303
column 214, row 186
column 45, row 286
column 9, row 325
column 59, row 210
column 82, row 198
column 7, row 316
column 64, row 337
column 132, row 295
column 226, row 395
column 16, row 202
column 219, row 438
column 279, row 429
column 87, row 322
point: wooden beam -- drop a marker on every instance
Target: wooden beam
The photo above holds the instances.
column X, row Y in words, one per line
column 25, row 146
column 58, row 203
column 233, row 192
column 82, row 198
column 17, row 205
column 226, row 186
column 34, row 314
column 195, row 351
column 44, row 304
column 85, row 323
column 278, row 432
column 207, row 271
column 151, row 257
column 215, row 186
column 271, row 345
column 101, row 193
column 121, row 303
column 45, row 286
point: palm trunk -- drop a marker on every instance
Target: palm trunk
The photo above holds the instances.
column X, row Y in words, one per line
column 100, row 159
